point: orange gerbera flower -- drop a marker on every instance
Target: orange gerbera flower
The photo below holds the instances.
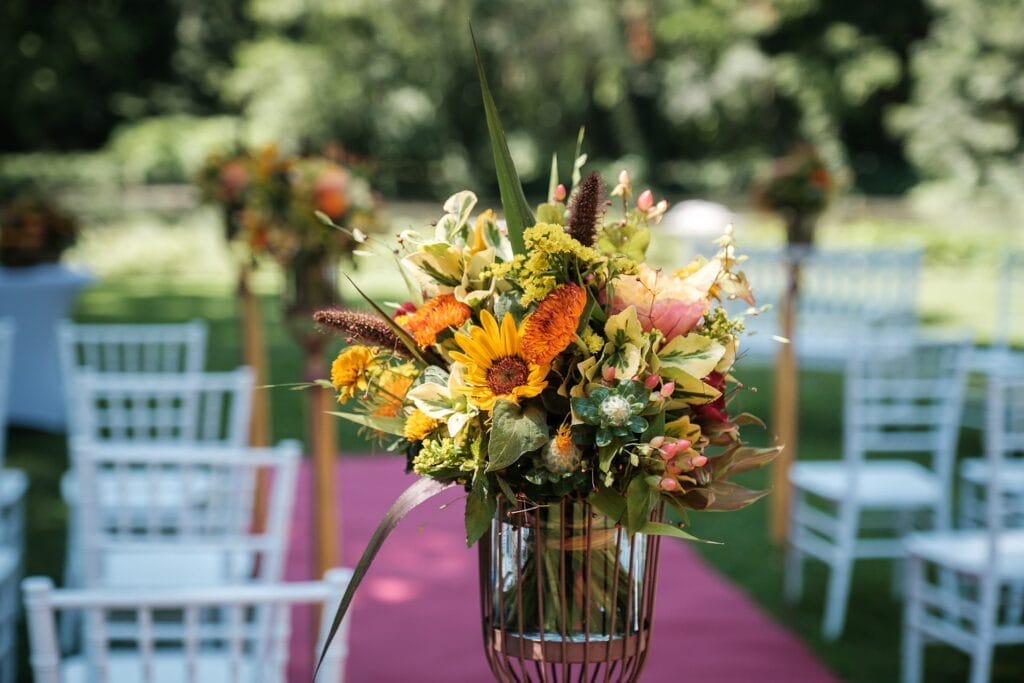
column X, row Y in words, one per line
column 551, row 328
column 435, row 316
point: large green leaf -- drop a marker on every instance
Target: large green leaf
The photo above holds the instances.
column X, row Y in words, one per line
column 388, row 425
column 513, row 433
column 609, row 502
column 662, row 529
column 421, row 491
column 640, row 500
column 518, row 216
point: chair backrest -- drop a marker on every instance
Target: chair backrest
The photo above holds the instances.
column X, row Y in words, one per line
column 163, row 507
column 1010, row 301
column 1004, row 443
column 163, row 347
column 250, row 643
column 904, row 394
column 842, row 293
column 208, row 407
column 6, row 356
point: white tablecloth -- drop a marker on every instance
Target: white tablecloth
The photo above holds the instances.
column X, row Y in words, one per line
column 36, row 298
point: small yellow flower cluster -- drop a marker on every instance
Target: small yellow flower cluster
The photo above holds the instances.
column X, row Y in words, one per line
column 720, row 327
column 442, row 458
column 548, row 246
column 595, row 342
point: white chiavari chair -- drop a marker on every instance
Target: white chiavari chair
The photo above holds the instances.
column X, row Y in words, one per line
column 229, row 634
column 157, row 515
column 902, row 406
column 966, row 588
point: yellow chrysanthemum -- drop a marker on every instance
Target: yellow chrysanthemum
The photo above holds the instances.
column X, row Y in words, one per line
column 495, row 368
column 552, row 327
column 419, row 425
column 435, row 316
column 349, row 371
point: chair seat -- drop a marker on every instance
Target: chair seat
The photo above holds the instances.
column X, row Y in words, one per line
column 1011, row 474
column 880, row 483
column 168, row 667
column 159, row 567
column 968, row 551
column 137, row 490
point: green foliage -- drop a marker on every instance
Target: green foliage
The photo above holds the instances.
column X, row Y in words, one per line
column 74, row 70
column 964, row 124
column 514, row 432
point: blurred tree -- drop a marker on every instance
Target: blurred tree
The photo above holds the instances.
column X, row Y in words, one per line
column 72, row 70
column 697, row 93
column 964, row 124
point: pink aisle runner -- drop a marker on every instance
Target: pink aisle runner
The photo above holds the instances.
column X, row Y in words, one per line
column 416, row 616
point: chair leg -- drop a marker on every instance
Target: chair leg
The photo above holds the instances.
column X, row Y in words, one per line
column 841, row 571
column 913, row 644
column 838, row 596
column 899, row 564
column 981, row 662
column 793, row 582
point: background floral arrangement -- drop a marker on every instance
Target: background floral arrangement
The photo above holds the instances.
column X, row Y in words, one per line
column 798, row 186
column 33, row 231
column 271, row 201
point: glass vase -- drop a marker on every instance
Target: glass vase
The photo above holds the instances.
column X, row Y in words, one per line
column 565, row 594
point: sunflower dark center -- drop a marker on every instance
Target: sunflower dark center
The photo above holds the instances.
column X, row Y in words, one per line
column 507, row 373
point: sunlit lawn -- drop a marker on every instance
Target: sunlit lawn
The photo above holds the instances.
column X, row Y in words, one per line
column 186, row 273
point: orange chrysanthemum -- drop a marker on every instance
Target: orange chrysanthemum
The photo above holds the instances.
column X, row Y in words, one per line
column 435, row 316
column 551, row 328
column 394, row 387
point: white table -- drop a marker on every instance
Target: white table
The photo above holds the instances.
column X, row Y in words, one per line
column 36, row 298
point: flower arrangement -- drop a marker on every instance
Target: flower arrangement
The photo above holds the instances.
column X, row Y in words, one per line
column 798, row 186
column 567, row 369
column 542, row 362
column 272, row 201
column 34, row 231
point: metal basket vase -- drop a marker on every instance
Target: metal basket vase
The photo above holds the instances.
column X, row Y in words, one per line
column 565, row 594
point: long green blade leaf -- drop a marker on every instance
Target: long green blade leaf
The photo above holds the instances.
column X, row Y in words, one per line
column 421, row 491
column 518, row 216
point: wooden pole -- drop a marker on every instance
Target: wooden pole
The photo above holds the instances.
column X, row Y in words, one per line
column 255, row 356
column 787, row 401
column 322, row 442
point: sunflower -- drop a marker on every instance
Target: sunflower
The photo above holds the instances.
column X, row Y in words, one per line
column 552, row 327
column 349, row 371
column 435, row 316
column 495, row 369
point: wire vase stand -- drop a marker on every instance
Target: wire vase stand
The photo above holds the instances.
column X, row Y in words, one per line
column 565, row 594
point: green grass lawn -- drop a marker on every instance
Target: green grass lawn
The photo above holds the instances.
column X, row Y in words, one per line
column 194, row 280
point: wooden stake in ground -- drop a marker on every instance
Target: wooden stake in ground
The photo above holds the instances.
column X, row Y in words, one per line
column 787, row 400
column 322, row 442
column 254, row 355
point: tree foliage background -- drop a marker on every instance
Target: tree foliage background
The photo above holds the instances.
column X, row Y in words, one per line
column 690, row 94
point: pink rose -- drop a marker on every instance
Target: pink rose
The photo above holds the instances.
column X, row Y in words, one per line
column 674, row 305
